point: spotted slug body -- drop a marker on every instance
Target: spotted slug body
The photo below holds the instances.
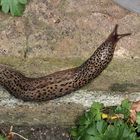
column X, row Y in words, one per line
column 62, row 82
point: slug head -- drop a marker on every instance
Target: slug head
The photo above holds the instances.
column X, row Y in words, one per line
column 114, row 37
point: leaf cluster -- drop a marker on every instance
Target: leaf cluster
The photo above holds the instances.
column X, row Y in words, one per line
column 91, row 126
column 15, row 7
column 2, row 138
column 124, row 108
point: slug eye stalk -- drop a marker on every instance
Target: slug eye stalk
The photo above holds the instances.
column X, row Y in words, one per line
column 115, row 36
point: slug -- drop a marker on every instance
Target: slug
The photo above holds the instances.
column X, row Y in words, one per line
column 62, row 82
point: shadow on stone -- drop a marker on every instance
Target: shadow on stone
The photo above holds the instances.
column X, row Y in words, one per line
column 122, row 87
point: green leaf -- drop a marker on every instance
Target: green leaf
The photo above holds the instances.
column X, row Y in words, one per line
column 101, row 126
column 96, row 109
column 86, row 119
column 138, row 118
column 124, row 108
column 97, row 138
column 126, row 104
column 2, row 138
column 16, row 7
column 138, row 129
column 5, row 6
column 92, row 127
column 96, row 106
column 74, row 132
column 92, row 131
column 111, row 132
column 88, row 137
column 23, row 1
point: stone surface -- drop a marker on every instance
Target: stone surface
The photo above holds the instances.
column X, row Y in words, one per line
column 58, row 34
column 82, row 26
column 63, row 111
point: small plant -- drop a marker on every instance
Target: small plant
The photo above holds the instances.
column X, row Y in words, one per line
column 95, row 124
column 2, row 138
column 15, row 7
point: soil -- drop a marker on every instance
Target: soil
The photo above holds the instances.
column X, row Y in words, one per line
column 39, row 132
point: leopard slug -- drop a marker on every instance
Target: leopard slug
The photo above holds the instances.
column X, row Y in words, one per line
column 62, row 82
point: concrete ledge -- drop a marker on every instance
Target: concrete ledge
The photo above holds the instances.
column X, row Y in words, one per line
column 63, row 111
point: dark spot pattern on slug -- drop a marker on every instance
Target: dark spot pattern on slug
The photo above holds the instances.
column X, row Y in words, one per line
column 62, row 82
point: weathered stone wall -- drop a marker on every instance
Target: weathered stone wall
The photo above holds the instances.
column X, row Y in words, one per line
column 57, row 34
column 67, row 29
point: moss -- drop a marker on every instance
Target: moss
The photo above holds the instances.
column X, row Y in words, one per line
column 10, row 60
column 125, row 69
column 39, row 66
column 120, row 75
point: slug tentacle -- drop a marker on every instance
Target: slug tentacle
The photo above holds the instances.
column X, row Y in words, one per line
column 114, row 36
column 62, row 82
